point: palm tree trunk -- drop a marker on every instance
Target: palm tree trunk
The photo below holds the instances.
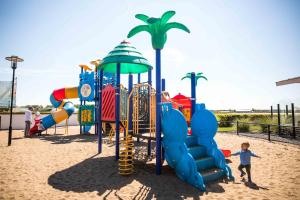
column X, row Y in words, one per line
column 158, row 112
column 193, row 92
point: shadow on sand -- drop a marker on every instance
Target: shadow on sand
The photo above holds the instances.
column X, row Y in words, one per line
column 64, row 139
column 101, row 174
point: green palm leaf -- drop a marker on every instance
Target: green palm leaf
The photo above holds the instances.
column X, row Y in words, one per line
column 185, row 77
column 138, row 29
column 167, row 16
column 142, row 17
column 176, row 25
column 198, row 77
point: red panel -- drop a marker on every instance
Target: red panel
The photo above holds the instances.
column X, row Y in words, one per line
column 108, row 103
column 59, row 94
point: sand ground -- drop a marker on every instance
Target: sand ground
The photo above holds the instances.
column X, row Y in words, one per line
column 68, row 167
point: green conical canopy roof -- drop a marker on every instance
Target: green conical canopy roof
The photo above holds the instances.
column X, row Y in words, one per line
column 130, row 59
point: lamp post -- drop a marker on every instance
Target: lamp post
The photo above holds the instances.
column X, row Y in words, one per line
column 14, row 61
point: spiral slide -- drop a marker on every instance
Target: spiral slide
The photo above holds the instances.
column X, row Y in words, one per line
column 65, row 108
column 196, row 159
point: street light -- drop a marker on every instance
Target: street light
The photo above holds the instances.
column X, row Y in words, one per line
column 14, row 61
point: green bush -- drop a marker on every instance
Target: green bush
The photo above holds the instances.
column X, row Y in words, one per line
column 226, row 120
column 244, row 126
column 268, row 121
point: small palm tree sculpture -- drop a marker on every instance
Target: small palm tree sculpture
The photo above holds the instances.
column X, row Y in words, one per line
column 157, row 27
column 194, row 79
column 198, row 76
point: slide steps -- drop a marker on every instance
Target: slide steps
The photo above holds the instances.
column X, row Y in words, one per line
column 205, row 164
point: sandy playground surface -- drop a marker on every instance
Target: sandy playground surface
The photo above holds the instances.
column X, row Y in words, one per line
column 67, row 167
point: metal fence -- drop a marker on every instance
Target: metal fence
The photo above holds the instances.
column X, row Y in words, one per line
column 275, row 132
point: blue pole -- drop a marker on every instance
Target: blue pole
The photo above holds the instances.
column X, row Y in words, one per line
column 150, row 76
column 193, row 91
column 100, row 112
column 96, row 110
column 118, row 110
column 130, row 83
column 96, row 101
column 139, row 78
column 158, row 112
column 149, row 106
column 163, row 84
column 80, row 79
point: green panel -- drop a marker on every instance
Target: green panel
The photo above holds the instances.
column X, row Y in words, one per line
column 86, row 115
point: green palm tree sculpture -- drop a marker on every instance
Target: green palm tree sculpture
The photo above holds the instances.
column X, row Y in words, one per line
column 157, row 27
column 198, row 76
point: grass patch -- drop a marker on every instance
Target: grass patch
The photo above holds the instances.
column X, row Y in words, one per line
column 227, row 129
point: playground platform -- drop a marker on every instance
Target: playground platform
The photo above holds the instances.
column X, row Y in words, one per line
column 66, row 166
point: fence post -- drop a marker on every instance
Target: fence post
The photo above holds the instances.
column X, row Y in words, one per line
column 278, row 118
column 269, row 133
column 293, row 120
column 237, row 127
column 271, row 112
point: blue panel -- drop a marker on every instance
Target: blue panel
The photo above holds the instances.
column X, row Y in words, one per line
column 87, row 78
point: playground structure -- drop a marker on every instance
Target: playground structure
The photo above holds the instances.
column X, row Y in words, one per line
column 141, row 111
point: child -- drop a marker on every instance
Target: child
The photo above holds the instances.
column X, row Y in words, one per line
column 245, row 160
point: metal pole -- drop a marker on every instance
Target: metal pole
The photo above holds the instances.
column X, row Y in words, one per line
column 80, row 126
column 100, row 113
column 163, row 84
column 271, row 112
column 286, row 110
column 293, row 120
column 14, row 66
column 118, row 110
column 139, row 78
column 278, row 118
column 130, row 83
column 237, row 127
column 149, row 147
column 150, row 76
column 269, row 132
column 158, row 112
column 193, row 92
column 96, row 101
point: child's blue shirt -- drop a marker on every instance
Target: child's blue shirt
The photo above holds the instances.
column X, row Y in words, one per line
column 245, row 156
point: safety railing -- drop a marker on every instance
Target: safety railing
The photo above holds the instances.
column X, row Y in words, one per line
column 266, row 131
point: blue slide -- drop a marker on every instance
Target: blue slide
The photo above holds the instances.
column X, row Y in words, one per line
column 196, row 159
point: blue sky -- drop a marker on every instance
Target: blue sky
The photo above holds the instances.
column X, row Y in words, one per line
column 243, row 47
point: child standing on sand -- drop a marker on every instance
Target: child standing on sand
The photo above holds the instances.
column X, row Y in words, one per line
column 245, row 160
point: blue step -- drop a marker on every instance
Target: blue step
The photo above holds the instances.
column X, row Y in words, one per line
column 205, row 163
column 212, row 174
column 191, row 141
column 197, row 151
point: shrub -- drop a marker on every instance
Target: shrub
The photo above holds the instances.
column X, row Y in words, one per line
column 264, row 124
column 226, row 120
column 244, row 126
